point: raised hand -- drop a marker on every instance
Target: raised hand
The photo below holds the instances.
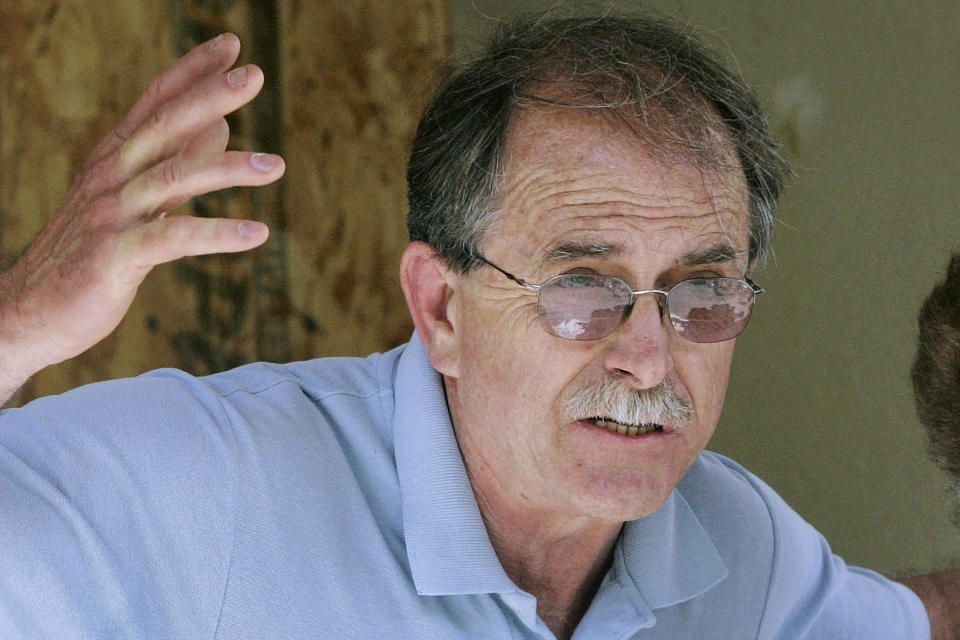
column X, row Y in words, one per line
column 75, row 282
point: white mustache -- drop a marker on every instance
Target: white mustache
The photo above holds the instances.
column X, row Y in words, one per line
column 614, row 399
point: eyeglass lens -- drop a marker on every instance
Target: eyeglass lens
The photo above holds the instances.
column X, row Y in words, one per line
column 591, row 306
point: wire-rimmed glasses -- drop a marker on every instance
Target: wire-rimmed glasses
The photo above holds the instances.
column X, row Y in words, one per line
column 590, row 306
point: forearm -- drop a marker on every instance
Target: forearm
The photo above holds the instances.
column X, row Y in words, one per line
column 15, row 370
column 15, row 355
column 940, row 593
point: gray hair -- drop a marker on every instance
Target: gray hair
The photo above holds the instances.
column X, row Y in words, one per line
column 654, row 76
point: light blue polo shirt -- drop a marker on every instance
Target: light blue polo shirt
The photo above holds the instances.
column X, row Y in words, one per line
column 328, row 499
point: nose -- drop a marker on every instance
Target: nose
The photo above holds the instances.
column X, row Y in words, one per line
column 639, row 348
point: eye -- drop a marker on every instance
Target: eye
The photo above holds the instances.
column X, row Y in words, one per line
column 706, row 285
column 580, row 279
column 705, row 273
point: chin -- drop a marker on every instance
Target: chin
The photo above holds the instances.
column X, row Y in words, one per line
column 621, row 497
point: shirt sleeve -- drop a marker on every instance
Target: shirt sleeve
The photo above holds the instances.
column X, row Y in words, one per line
column 116, row 505
column 814, row 595
column 784, row 582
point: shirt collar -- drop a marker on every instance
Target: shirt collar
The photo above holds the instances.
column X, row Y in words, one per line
column 447, row 543
column 667, row 557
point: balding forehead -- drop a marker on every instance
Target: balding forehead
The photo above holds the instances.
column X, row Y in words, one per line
column 567, row 174
column 697, row 135
column 540, row 126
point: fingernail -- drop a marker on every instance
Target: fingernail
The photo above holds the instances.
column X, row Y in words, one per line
column 263, row 162
column 251, row 229
column 216, row 43
column 237, row 77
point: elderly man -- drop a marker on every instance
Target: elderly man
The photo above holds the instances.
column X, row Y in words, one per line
column 587, row 202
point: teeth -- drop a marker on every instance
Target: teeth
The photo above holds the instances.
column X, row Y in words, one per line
column 626, row 429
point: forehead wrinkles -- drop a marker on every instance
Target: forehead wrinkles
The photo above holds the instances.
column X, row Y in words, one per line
column 568, row 171
column 613, row 235
column 543, row 206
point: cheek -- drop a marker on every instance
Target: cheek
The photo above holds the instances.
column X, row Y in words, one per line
column 510, row 364
column 492, row 349
column 495, row 335
column 705, row 372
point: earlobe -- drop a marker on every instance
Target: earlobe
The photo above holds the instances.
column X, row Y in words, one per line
column 428, row 287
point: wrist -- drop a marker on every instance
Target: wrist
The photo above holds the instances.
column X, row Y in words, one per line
column 19, row 355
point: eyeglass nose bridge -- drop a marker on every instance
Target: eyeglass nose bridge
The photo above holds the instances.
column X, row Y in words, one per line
column 662, row 298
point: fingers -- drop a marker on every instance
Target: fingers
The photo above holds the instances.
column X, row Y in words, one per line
column 84, row 268
column 210, row 58
column 176, row 122
column 203, row 61
column 178, row 236
column 213, row 139
column 181, row 177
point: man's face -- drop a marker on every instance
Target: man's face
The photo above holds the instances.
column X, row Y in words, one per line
column 579, row 195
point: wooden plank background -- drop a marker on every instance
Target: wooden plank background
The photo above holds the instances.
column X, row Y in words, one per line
column 346, row 80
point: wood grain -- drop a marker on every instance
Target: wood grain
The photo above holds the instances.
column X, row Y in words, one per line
column 356, row 74
column 346, row 81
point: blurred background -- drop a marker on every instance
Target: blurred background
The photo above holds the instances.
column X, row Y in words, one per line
column 864, row 97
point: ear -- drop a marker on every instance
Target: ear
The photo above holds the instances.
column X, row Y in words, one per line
column 428, row 287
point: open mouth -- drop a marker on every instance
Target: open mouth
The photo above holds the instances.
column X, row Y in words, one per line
column 626, row 429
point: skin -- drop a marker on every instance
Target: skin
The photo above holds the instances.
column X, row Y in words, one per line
column 551, row 487
column 74, row 284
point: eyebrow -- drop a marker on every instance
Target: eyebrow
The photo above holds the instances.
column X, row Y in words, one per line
column 576, row 249
column 717, row 254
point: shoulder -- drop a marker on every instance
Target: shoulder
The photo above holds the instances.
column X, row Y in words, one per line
column 318, row 378
column 345, row 398
column 756, row 531
column 759, row 536
column 171, row 396
column 154, row 484
column 741, row 516
column 168, row 425
column 787, row 568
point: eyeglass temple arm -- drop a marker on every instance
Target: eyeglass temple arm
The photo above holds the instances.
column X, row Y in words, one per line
column 757, row 289
column 520, row 281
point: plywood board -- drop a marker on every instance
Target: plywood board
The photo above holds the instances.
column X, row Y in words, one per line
column 345, row 84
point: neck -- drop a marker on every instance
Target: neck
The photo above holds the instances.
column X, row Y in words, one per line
column 559, row 560
column 550, row 550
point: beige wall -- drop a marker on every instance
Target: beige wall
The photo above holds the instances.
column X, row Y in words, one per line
column 867, row 100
